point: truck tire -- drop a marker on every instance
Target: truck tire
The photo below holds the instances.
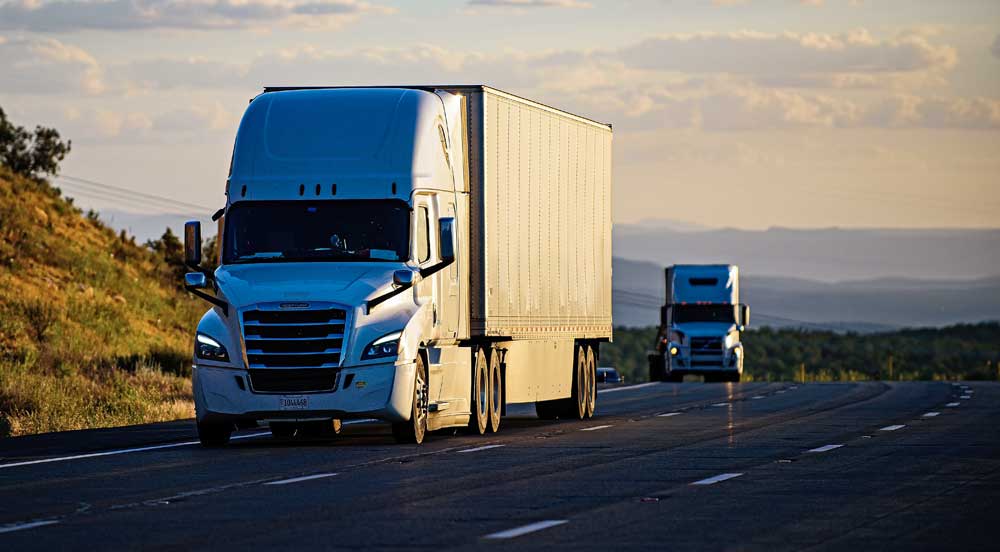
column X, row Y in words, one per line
column 576, row 405
column 479, row 406
column 549, row 410
column 496, row 392
column 591, row 373
column 657, row 370
column 214, row 434
column 414, row 430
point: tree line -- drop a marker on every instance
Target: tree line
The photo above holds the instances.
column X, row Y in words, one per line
column 963, row 351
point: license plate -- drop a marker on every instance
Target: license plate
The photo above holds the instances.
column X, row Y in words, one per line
column 294, row 402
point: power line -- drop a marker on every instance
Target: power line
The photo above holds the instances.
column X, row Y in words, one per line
column 107, row 187
column 123, row 201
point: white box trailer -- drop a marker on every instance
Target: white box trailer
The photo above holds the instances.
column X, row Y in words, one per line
column 454, row 242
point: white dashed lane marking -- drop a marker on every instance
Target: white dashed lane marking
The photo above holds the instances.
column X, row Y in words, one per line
column 595, row 428
column 892, row 427
column 825, row 448
column 952, row 404
column 525, row 529
column 121, row 451
column 300, row 479
column 484, row 447
column 668, row 414
column 27, row 525
column 721, row 404
column 717, row 479
column 931, row 414
column 757, row 397
column 627, row 388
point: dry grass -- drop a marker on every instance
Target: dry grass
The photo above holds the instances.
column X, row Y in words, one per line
column 94, row 331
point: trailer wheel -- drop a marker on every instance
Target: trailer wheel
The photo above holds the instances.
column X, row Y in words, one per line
column 496, row 392
column 576, row 405
column 591, row 379
column 480, row 415
column 414, row 430
column 214, row 434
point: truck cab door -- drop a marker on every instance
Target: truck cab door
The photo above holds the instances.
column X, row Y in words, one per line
column 447, row 292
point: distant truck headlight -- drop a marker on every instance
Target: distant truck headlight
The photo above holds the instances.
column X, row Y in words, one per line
column 209, row 349
column 731, row 340
column 385, row 346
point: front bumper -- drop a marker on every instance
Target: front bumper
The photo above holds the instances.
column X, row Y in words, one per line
column 382, row 391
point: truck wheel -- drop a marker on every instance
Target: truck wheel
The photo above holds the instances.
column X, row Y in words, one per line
column 576, row 405
column 657, row 372
column 214, row 434
column 591, row 373
column 496, row 392
column 549, row 410
column 414, row 430
column 480, row 394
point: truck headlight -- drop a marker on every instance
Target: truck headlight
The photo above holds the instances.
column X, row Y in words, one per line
column 730, row 340
column 673, row 350
column 385, row 346
column 209, row 349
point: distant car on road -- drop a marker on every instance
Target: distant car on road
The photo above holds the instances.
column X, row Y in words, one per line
column 607, row 374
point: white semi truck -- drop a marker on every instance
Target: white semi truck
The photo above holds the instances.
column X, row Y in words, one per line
column 700, row 325
column 422, row 255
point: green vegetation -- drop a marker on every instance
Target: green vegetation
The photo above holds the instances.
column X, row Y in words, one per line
column 966, row 351
column 94, row 329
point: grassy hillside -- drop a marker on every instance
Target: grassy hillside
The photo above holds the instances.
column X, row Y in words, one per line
column 965, row 351
column 94, row 329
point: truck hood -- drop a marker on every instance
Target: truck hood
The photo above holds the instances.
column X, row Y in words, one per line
column 347, row 283
column 705, row 329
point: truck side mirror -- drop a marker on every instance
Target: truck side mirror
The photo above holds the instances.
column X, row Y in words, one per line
column 744, row 315
column 192, row 243
column 447, row 239
column 402, row 278
column 196, row 280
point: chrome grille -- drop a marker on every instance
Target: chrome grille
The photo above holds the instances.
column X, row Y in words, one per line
column 706, row 345
column 299, row 338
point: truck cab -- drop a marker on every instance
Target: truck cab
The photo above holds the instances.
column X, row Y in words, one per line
column 700, row 325
column 364, row 264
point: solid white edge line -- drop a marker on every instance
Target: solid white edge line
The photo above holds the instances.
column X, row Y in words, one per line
column 27, row 525
column 120, row 451
column 893, row 427
column 627, row 388
column 931, row 414
column 825, row 448
column 299, row 479
column 525, row 529
column 668, row 414
column 716, row 479
column 477, row 449
column 595, row 428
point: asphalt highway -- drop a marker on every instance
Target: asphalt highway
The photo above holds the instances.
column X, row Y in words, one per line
column 754, row 466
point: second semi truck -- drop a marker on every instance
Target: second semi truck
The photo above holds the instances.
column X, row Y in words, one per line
column 422, row 255
column 700, row 325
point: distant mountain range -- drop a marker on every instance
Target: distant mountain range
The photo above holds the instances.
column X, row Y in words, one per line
column 861, row 280
column 826, row 255
column 860, row 305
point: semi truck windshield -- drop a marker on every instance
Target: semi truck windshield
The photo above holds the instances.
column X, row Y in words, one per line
column 704, row 313
column 332, row 230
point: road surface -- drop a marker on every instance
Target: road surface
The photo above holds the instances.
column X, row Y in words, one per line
column 843, row 466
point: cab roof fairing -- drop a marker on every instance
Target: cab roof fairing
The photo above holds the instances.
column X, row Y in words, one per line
column 712, row 284
column 363, row 140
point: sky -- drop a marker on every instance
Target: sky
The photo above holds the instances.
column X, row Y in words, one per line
column 727, row 113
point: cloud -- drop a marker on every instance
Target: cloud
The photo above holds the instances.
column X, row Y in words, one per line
column 761, row 54
column 530, row 3
column 907, row 111
column 995, row 49
column 126, row 15
column 46, row 66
